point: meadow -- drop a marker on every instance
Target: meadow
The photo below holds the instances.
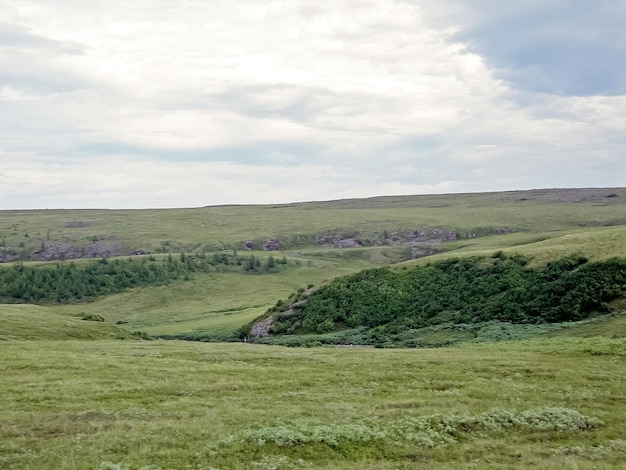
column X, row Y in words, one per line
column 81, row 389
column 552, row 403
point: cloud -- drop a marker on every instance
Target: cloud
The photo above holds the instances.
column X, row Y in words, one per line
column 154, row 103
column 556, row 46
column 17, row 36
column 131, row 182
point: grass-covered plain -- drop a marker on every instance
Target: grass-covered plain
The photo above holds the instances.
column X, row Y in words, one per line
column 224, row 226
column 540, row 224
column 552, row 403
column 217, row 303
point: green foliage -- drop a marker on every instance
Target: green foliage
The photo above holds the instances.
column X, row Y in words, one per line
column 458, row 291
column 91, row 317
column 64, row 282
column 141, row 335
column 426, row 431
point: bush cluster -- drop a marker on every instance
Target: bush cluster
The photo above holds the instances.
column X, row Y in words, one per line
column 427, row 431
column 69, row 281
column 458, row 291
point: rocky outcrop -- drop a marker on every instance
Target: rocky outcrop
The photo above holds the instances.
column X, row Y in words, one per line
column 262, row 328
column 347, row 243
column 66, row 250
column 272, row 245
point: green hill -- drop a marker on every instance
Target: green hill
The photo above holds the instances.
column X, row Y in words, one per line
column 32, row 322
column 382, row 221
column 549, row 397
column 319, row 241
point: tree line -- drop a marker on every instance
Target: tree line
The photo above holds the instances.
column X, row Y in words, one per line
column 63, row 282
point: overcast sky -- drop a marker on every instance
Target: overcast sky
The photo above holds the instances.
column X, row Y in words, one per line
column 154, row 103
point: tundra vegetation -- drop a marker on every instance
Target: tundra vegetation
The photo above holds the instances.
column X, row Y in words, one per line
column 387, row 307
column 528, row 286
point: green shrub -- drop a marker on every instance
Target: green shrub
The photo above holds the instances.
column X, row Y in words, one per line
column 427, row 431
column 91, row 317
column 462, row 291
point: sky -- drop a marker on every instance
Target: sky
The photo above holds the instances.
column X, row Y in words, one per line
column 154, row 103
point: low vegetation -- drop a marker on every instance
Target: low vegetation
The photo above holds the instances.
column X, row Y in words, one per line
column 134, row 405
column 32, row 322
column 546, row 391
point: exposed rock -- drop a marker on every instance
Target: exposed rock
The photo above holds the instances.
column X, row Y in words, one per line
column 272, row 245
column 140, row 252
column 58, row 251
column 66, row 250
column 249, row 246
column 501, row 231
column 417, row 252
column 262, row 328
column 102, row 250
column 347, row 243
column 320, row 239
column 450, row 236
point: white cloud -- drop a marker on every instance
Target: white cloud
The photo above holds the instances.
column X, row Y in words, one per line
column 341, row 99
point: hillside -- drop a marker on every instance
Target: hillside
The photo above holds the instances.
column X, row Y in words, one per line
column 211, row 294
column 391, row 307
column 419, row 223
column 93, row 401
column 32, row 322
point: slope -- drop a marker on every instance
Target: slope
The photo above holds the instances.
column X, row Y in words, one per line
column 32, row 322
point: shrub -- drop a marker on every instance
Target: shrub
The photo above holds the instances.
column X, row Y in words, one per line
column 90, row 317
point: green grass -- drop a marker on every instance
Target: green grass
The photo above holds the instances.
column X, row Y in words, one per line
column 218, row 227
column 608, row 326
column 214, row 303
column 554, row 403
column 32, row 322
column 597, row 244
column 548, row 224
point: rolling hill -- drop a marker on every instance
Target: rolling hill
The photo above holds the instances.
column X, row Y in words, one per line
column 318, row 240
column 543, row 395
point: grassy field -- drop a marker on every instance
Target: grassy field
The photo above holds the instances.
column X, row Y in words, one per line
column 218, row 227
column 553, row 401
column 33, row 322
column 598, row 244
column 214, row 304
column 176, row 405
